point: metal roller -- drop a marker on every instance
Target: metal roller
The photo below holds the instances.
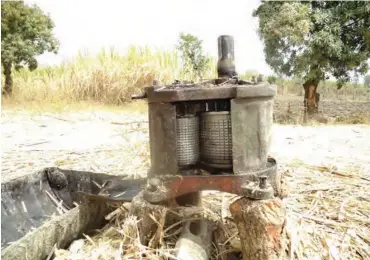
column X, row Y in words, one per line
column 187, row 140
column 216, row 141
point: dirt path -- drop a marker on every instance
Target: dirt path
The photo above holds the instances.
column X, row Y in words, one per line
column 83, row 141
column 95, row 142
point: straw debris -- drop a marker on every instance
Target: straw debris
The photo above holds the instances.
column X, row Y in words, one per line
column 120, row 239
column 328, row 213
column 327, row 218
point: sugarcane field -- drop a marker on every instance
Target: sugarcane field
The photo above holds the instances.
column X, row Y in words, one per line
column 188, row 131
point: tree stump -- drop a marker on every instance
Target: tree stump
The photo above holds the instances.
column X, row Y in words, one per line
column 195, row 240
column 260, row 224
column 152, row 219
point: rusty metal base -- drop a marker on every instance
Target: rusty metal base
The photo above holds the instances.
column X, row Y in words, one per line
column 164, row 188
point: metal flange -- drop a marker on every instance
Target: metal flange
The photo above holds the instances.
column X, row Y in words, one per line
column 261, row 190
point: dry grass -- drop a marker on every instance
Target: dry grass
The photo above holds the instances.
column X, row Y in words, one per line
column 120, row 238
column 110, row 78
column 327, row 218
column 107, row 78
column 328, row 213
column 361, row 118
column 35, row 107
column 287, row 116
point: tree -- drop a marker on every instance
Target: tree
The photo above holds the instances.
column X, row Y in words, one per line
column 25, row 33
column 315, row 40
column 194, row 61
column 367, row 80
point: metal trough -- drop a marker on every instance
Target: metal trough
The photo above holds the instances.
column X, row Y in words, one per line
column 44, row 209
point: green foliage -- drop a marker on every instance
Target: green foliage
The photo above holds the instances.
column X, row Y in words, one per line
column 110, row 77
column 25, row 33
column 367, row 80
column 193, row 59
column 271, row 79
column 314, row 40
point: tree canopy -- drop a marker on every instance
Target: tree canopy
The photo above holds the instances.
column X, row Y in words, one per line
column 25, row 33
column 316, row 39
column 194, row 61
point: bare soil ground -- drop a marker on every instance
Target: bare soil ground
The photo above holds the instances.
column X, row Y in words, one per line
column 108, row 142
column 289, row 109
column 80, row 140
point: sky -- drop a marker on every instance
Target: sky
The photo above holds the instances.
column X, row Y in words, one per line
column 90, row 25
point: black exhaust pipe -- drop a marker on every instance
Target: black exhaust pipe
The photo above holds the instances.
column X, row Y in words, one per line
column 225, row 64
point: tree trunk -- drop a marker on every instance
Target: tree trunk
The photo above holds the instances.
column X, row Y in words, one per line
column 261, row 226
column 8, row 88
column 311, row 98
column 152, row 220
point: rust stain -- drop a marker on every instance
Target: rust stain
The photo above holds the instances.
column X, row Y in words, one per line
column 274, row 234
column 269, row 204
column 235, row 207
column 273, row 203
column 226, row 183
